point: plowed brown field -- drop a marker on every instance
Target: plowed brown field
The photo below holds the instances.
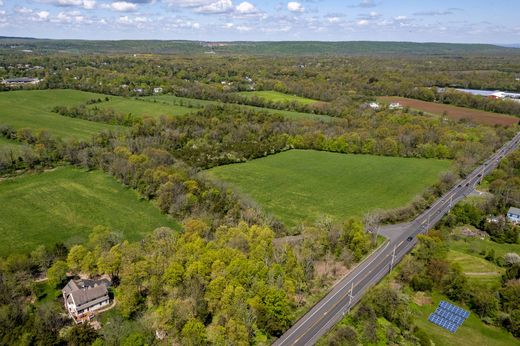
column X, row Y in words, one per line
column 453, row 112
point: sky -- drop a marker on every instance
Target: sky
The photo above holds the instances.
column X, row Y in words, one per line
column 465, row 21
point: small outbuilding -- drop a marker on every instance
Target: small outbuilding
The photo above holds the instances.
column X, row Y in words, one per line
column 513, row 215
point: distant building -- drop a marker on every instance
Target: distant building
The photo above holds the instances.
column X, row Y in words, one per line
column 374, row 105
column 395, row 105
column 20, row 81
column 83, row 297
column 513, row 215
column 157, row 90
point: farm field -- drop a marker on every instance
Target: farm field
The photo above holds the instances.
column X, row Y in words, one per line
column 275, row 96
column 143, row 108
column 32, row 109
column 64, row 205
column 303, row 185
column 453, row 112
column 196, row 103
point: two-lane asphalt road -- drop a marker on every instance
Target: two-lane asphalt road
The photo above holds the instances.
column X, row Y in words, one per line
column 345, row 294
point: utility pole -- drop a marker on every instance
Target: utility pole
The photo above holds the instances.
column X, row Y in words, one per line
column 350, row 296
column 393, row 258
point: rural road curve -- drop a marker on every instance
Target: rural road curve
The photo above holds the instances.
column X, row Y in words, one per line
column 401, row 239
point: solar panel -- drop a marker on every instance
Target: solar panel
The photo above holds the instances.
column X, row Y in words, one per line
column 448, row 316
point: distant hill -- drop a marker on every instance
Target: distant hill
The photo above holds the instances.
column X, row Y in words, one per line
column 251, row 48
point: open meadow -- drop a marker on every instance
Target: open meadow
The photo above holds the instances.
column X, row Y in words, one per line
column 142, row 108
column 196, row 103
column 303, row 185
column 275, row 96
column 33, row 109
column 453, row 112
column 64, row 205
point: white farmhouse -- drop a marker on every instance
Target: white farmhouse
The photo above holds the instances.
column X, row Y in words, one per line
column 82, row 297
column 374, row 105
column 395, row 105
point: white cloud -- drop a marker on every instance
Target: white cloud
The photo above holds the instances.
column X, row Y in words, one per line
column 42, row 15
column 1, row 2
column 367, row 3
column 23, row 10
column 294, row 6
column 89, row 4
column 74, row 17
column 246, row 8
column 123, row 6
column 244, row 28
column 363, row 22
column 220, row 6
column 86, row 4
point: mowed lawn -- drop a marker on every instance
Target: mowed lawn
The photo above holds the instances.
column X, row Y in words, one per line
column 303, row 185
column 64, row 205
column 276, row 96
column 32, row 109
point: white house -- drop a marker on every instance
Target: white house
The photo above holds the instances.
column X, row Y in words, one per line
column 82, row 297
column 513, row 215
column 395, row 105
column 374, row 105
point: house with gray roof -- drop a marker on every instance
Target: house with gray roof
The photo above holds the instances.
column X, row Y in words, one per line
column 82, row 297
column 513, row 215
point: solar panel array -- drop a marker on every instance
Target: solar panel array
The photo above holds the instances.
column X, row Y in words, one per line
column 448, row 316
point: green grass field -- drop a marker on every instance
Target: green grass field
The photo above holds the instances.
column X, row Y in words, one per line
column 143, row 108
column 477, row 269
column 474, row 246
column 276, row 96
column 175, row 101
column 472, row 332
column 7, row 144
column 32, row 109
column 65, row 204
column 301, row 185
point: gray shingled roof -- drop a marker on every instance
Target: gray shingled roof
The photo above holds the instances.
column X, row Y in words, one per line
column 87, row 295
column 69, row 287
column 514, row 211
